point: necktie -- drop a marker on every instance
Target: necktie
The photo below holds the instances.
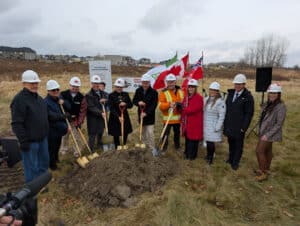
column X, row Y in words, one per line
column 235, row 97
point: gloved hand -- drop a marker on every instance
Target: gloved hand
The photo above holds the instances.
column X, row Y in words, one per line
column 68, row 116
column 178, row 105
column 25, row 146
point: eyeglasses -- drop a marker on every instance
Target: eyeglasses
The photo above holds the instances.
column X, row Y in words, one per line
column 54, row 90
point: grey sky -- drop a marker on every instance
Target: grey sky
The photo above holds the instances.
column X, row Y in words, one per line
column 149, row 28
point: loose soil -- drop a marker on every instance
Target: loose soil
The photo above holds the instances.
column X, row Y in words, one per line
column 117, row 177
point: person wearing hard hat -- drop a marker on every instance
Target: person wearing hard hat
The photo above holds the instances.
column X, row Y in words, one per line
column 78, row 107
column 119, row 101
column 146, row 98
column 270, row 129
column 170, row 100
column 214, row 115
column 239, row 113
column 192, row 120
column 29, row 121
column 95, row 98
column 57, row 121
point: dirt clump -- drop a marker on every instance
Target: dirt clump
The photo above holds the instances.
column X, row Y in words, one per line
column 117, row 177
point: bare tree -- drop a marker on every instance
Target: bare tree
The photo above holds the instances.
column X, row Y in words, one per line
column 269, row 50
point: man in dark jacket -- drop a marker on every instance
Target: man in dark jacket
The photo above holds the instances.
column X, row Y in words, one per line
column 57, row 121
column 95, row 99
column 30, row 124
column 146, row 98
column 239, row 112
column 78, row 108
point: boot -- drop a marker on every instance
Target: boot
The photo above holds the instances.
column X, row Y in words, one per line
column 261, row 177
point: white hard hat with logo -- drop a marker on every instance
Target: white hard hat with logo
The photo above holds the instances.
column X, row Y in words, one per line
column 75, row 81
column 95, row 79
column 52, row 84
column 214, row 86
column 239, row 79
column 274, row 88
column 30, row 76
column 120, row 82
column 170, row 78
column 145, row 78
column 192, row 82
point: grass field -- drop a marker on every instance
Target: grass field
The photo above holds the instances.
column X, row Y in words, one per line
column 199, row 194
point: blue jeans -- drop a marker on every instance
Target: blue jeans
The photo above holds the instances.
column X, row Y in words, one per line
column 36, row 160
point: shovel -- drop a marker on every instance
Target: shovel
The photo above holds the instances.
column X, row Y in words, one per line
column 92, row 155
column 122, row 146
column 81, row 160
column 141, row 144
column 105, row 147
column 163, row 138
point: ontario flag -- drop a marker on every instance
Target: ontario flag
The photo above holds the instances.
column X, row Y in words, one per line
column 178, row 68
column 196, row 73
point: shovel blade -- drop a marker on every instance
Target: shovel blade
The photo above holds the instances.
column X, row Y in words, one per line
column 143, row 146
column 137, row 145
column 81, row 163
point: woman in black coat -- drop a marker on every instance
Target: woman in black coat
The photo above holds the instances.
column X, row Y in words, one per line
column 118, row 99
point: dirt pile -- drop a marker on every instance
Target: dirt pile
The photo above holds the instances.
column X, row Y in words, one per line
column 115, row 178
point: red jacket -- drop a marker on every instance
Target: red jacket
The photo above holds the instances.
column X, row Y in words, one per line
column 192, row 117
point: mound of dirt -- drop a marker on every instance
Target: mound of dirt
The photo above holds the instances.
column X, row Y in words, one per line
column 115, row 178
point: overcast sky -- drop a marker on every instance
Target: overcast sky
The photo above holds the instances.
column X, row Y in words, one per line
column 149, row 28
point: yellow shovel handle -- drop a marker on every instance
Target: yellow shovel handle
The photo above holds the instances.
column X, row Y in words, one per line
column 84, row 140
column 72, row 134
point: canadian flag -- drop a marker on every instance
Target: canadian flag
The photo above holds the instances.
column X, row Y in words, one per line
column 178, row 69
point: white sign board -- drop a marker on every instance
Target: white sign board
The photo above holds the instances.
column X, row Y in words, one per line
column 132, row 84
column 103, row 69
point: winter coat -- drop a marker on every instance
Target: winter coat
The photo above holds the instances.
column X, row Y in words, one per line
column 167, row 96
column 95, row 121
column 57, row 120
column 272, row 123
column 192, row 117
column 114, row 125
column 238, row 114
column 78, row 106
column 213, row 119
column 29, row 117
column 151, row 99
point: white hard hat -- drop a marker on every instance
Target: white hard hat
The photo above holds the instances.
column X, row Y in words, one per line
column 95, row 79
column 120, row 82
column 192, row 82
column 239, row 79
column 170, row 77
column 145, row 78
column 75, row 81
column 215, row 86
column 52, row 84
column 274, row 88
column 30, row 76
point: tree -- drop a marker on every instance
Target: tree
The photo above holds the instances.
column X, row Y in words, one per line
column 267, row 51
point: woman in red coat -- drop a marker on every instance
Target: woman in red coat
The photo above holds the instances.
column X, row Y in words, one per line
column 192, row 120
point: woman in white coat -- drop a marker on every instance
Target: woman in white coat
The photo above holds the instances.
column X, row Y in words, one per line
column 214, row 114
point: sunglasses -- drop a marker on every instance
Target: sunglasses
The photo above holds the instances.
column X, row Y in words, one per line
column 54, row 90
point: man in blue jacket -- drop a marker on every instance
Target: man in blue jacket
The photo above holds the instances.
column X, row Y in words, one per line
column 57, row 121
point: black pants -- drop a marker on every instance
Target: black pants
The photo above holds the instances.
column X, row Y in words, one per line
column 92, row 138
column 176, row 131
column 210, row 147
column 53, row 148
column 235, row 151
column 117, row 140
column 191, row 148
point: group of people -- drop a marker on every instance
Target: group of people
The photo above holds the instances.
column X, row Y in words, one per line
column 40, row 124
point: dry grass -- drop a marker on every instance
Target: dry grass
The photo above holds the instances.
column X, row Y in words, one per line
column 199, row 194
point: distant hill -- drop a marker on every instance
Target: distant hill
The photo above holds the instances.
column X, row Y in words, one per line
column 16, row 49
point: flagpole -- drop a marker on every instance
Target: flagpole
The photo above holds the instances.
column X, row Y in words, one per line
column 203, row 90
